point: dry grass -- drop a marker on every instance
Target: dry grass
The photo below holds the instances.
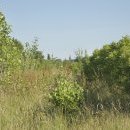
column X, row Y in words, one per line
column 22, row 105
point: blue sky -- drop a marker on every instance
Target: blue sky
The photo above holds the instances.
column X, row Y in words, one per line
column 63, row 26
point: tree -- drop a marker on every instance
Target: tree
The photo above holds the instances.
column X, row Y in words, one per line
column 4, row 28
column 111, row 63
column 10, row 57
column 48, row 57
column 32, row 56
column 18, row 44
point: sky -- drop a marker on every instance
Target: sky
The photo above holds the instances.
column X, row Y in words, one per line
column 64, row 26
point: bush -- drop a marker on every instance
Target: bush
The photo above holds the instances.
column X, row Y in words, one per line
column 67, row 95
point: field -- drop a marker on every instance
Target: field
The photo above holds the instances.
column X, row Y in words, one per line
column 24, row 102
column 89, row 92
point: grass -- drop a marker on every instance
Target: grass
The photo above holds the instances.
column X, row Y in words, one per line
column 24, row 100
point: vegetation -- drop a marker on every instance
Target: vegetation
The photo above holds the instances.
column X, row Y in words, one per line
column 68, row 94
column 88, row 92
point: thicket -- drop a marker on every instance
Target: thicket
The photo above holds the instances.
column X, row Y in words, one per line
column 35, row 89
column 110, row 65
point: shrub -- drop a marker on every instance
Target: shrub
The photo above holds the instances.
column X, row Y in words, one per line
column 67, row 95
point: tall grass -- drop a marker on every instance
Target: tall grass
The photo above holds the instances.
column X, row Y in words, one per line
column 24, row 105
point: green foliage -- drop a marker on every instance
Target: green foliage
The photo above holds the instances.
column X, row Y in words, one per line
column 67, row 95
column 33, row 58
column 4, row 28
column 111, row 63
column 18, row 44
column 80, row 55
column 48, row 57
column 10, row 56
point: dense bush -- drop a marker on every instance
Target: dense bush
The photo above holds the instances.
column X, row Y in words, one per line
column 67, row 95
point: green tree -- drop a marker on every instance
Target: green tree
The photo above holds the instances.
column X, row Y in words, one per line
column 48, row 57
column 10, row 56
column 18, row 44
column 33, row 58
column 4, row 28
column 111, row 63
